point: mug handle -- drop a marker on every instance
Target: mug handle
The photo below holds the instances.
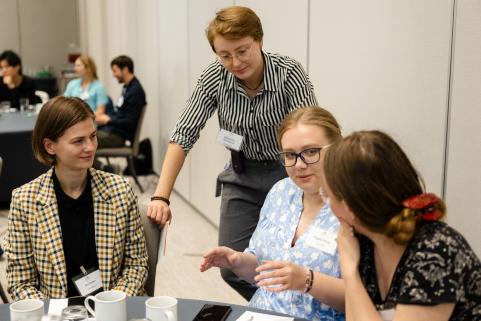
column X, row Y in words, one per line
column 169, row 315
column 87, row 305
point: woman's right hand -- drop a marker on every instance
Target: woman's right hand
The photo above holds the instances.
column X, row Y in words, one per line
column 349, row 250
column 159, row 212
column 222, row 257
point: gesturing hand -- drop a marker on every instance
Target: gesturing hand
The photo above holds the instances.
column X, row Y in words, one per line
column 222, row 257
column 283, row 275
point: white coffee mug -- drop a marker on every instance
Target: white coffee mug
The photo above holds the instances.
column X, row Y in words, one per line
column 109, row 305
column 161, row 308
column 28, row 309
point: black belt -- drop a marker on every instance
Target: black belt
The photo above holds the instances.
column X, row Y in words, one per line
column 239, row 162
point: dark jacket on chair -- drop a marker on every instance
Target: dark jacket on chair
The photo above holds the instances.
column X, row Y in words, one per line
column 124, row 122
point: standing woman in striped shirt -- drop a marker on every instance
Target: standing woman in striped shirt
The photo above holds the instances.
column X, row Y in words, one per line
column 252, row 91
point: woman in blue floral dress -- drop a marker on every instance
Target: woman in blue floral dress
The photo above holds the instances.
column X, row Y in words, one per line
column 292, row 255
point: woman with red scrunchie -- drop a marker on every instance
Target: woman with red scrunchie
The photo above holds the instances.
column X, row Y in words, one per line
column 398, row 259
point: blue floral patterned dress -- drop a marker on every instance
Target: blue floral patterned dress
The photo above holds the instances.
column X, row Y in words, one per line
column 315, row 249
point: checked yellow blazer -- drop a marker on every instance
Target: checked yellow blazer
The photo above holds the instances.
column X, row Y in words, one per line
column 35, row 259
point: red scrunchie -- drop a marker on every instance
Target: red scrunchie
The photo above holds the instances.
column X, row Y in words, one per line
column 425, row 206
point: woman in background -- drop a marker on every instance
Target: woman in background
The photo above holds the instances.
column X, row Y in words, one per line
column 398, row 260
column 87, row 86
column 292, row 254
column 73, row 218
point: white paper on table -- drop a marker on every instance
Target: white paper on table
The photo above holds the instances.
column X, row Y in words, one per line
column 254, row 316
column 55, row 306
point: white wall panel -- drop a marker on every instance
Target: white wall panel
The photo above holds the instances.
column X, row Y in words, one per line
column 207, row 157
column 46, row 28
column 384, row 65
column 173, row 73
column 463, row 170
column 285, row 26
column 143, row 20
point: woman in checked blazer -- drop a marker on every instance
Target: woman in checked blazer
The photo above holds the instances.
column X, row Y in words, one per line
column 73, row 217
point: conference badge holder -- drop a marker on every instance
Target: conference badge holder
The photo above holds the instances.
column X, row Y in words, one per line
column 88, row 282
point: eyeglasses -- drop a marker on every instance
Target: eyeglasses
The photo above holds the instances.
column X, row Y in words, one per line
column 242, row 54
column 308, row 156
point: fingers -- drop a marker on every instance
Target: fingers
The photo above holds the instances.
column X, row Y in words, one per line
column 267, row 275
column 212, row 252
column 275, row 284
column 205, row 264
column 271, row 265
column 159, row 212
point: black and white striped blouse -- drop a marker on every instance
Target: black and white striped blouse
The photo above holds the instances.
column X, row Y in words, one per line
column 286, row 87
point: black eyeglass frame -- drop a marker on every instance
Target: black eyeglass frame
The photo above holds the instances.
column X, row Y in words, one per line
column 299, row 155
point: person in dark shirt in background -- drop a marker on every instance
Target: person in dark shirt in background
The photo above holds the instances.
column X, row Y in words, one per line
column 13, row 84
column 115, row 129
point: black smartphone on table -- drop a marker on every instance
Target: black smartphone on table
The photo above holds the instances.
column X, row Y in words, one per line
column 213, row 312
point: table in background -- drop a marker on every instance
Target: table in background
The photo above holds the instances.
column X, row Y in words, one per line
column 19, row 164
column 187, row 309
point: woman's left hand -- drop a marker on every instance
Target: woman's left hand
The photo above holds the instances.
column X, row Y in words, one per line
column 349, row 251
column 277, row 276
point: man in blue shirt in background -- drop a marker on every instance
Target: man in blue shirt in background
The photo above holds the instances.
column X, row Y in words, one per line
column 116, row 128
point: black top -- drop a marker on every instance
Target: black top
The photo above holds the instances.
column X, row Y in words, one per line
column 25, row 90
column 124, row 122
column 438, row 266
column 78, row 232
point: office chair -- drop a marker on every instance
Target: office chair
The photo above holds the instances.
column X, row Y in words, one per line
column 44, row 97
column 155, row 241
column 127, row 151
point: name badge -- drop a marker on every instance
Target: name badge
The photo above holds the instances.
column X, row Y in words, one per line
column 387, row 315
column 88, row 282
column 85, row 95
column 120, row 101
column 230, row 140
column 322, row 240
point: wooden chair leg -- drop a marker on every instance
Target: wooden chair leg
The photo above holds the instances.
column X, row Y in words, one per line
column 130, row 162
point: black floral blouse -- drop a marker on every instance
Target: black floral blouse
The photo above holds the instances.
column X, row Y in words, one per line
column 438, row 266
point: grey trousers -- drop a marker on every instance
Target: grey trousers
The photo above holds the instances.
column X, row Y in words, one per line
column 242, row 198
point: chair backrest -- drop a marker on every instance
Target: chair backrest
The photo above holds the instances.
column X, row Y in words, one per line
column 135, row 143
column 152, row 240
column 43, row 95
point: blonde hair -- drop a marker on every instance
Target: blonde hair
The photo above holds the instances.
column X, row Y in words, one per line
column 311, row 115
column 401, row 227
column 89, row 65
column 234, row 23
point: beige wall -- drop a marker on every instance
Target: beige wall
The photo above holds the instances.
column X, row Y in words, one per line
column 9, row 21
column 40, row 31
column 375, row 64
